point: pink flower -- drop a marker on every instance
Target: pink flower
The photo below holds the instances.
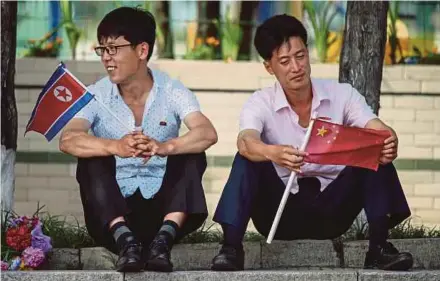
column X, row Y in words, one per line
column 33, row 257
column 4, row 265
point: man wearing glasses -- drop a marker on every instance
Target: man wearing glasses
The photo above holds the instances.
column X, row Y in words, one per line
column 141, row 188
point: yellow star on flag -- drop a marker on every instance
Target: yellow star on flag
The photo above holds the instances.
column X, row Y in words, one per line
column 322, row 131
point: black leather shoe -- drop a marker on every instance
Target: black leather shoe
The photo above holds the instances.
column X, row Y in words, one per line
column 228, row 259
column 130, row 259
column 388, row 258
column 158, row 257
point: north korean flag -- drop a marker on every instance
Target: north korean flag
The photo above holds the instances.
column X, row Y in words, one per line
column 62, row 97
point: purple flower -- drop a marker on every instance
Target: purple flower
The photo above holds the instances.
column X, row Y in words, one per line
column 17, row 221
column 39, row 240
column 33, row 257
column 15, row 264
column 4, row 265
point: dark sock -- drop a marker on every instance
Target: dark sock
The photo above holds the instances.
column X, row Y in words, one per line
column 122, row 234
column 378, row 230
column 170, row 230
column 232, row 236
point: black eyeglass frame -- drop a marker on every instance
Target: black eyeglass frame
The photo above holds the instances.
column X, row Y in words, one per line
column 111, row 50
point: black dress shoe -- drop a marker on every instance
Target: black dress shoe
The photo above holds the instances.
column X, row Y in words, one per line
column 228, row 259
column 158, row 257
column 388, row 258
column 130, row 259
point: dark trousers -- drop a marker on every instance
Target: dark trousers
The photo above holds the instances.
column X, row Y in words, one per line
column 254, row 190
column 181, row 191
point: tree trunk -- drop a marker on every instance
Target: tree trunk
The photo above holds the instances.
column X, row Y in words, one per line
column 362, row 53
column 363, row 48
column 247, row 14
column 8, row 106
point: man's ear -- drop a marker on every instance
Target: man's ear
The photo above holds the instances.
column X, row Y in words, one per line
column 143, row 50
column 268, row 67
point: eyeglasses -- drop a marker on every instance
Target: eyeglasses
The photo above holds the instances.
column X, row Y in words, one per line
column 111, row 50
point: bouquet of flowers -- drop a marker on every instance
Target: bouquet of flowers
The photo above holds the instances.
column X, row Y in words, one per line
column 43, row 47
column 24, row 246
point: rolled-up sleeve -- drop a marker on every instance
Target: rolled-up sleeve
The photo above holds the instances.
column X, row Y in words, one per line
column 252, row 114
column 357, row 112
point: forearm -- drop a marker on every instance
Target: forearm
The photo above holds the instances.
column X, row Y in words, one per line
column 195, row 140
column 377, row 124
column 253, row 149
column 84, row 145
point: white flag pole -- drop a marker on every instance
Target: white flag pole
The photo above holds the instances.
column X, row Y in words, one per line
column 112, row 114
column 100, row 102
column 289, row 184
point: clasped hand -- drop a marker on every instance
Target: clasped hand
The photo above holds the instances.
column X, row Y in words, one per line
column 136, row 144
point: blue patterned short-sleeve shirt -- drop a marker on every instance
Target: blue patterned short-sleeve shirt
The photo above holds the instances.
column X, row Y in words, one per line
column 167, row 105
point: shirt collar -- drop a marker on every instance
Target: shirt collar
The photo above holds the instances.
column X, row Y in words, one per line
column 280, row 100
column 319, row 94
column 158, row 81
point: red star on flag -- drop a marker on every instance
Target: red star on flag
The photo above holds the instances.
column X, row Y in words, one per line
column 340, row 145
column 63, row 95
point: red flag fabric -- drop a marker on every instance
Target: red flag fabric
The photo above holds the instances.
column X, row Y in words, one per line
column 336, row 144
column 62, row 97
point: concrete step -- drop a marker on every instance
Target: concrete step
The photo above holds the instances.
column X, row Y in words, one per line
column 257, row 275
column 259, row 255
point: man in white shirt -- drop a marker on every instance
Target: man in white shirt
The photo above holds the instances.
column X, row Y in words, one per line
column 327, row 198
column 140, row 182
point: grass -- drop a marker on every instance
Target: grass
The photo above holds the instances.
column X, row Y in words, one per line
column 205, row 234
column 405, row 230
column 65, row 234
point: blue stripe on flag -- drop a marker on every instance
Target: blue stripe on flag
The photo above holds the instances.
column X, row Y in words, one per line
column 55, row 76
column 69, row 114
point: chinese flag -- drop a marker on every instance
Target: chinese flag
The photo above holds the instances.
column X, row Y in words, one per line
column 335, row 144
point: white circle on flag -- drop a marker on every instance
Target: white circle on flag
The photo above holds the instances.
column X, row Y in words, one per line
column 62, row 94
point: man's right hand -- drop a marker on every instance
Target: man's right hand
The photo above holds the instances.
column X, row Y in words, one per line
column 286, row 156
column 126, row 146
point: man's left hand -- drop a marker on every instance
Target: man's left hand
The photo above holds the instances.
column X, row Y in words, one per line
column 389, row 151
column 148, row 147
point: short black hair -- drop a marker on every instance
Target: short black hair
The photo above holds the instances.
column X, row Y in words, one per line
column 275, row 31
column 134, row 24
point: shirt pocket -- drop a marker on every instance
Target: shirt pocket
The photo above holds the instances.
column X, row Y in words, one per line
column 166, row 129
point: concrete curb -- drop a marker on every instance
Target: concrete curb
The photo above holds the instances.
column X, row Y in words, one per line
column 259, row 255
column 257, row 275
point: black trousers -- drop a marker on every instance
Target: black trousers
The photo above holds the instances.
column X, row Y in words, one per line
column 254, row 190
column 181, row 191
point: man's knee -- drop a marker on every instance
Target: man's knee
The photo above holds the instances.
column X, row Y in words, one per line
column 95, row 167
column 242, row 162
column 189, row 161
column 387, row 169
column 92, row 164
